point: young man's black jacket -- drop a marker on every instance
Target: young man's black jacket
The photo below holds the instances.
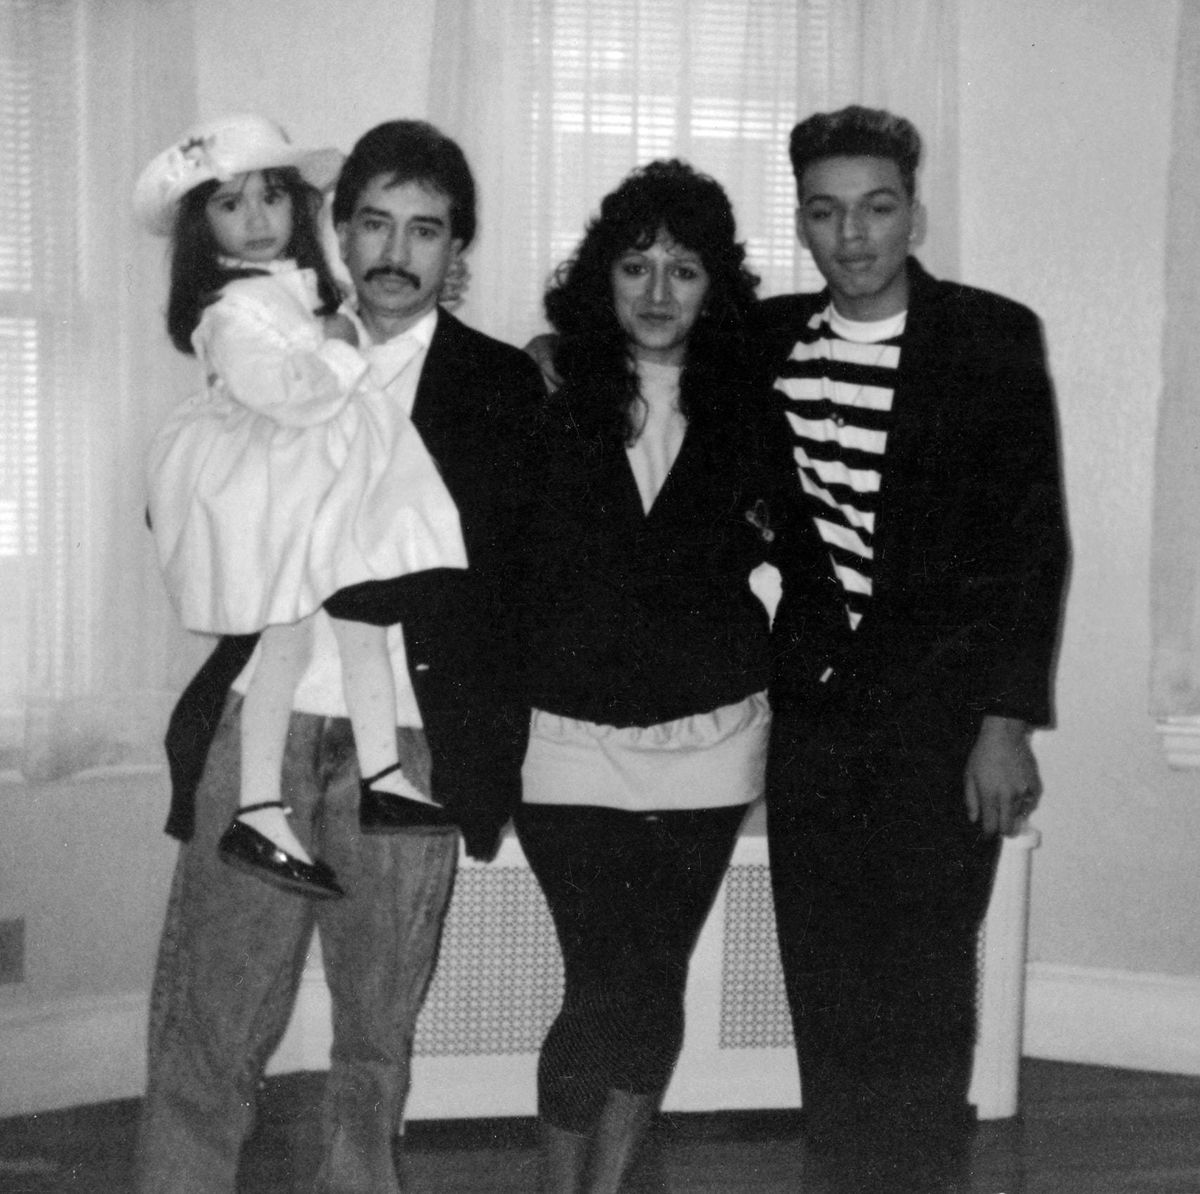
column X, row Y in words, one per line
column 970, row 544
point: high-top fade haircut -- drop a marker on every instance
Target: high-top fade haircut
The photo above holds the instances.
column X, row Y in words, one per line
column 857, row 132
column 409, row 151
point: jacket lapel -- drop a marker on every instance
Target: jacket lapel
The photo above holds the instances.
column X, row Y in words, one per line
column 916, row 406
column 444, row 381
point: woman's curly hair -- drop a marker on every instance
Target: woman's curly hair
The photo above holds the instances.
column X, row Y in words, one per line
column 592, row 355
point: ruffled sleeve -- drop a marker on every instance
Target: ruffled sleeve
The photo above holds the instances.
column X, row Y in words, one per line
column 263, row 346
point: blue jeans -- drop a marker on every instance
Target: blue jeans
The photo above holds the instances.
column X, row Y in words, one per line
column 232, row 953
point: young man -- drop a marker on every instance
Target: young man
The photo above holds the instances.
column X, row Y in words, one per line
column 233, row 947
column 926, row 444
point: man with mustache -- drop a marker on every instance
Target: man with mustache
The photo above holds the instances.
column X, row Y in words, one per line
column 233, row 948
column 910, row 674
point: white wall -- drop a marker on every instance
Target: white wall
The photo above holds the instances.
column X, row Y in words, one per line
column 327, row 70
column 1066, row 121
column 1065, row 143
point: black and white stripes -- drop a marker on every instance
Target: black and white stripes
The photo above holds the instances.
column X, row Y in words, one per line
column 838, row 385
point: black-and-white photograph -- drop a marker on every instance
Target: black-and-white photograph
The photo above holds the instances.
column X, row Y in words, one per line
column 599, row 596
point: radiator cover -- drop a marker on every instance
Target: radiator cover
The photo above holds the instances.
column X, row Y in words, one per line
column 499, row 981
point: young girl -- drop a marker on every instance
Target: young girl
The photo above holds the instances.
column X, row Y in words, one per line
column 291, row 475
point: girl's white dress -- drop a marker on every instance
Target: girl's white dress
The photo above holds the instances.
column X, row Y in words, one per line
column 291, row 475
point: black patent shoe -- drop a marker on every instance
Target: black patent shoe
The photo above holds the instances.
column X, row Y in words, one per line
column 386, row 812
column 242, row 846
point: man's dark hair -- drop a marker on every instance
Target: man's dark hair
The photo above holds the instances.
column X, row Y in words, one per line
column 409, row 151
column 857, row 132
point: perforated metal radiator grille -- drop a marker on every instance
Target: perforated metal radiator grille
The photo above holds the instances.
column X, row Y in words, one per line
column 498, row 985
column 754, row 1011
column 499, row 975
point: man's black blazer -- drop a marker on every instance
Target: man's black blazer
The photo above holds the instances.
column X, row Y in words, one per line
column 473, row 408
column 970, row 543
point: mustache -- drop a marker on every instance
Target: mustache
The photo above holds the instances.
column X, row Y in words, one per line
column 392, row 271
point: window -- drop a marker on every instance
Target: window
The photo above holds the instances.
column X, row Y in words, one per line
column 88, row 646
column 1175, row 558
column 555, row 101
column 617, row 84
column 38, row 85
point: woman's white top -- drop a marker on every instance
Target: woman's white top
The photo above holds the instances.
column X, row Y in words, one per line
column 662, row 429
column 292, row 474
column 709, row 760
column 714, row 759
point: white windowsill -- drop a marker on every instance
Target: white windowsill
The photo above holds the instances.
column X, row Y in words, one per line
column 1180, row 738
column 110, row 772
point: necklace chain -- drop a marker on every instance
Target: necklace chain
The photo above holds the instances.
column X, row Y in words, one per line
column 837, row 389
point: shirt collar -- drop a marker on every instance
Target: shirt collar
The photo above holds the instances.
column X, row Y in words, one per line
column 866, row 331
column 422, row 331
column 281, row 265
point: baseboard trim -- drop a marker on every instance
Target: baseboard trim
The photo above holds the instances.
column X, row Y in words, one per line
column 1118, row 1018
column 88, row 1051
column 73, row 1052
column 82, row 1051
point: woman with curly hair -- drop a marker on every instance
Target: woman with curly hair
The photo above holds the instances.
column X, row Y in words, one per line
column 663, row 477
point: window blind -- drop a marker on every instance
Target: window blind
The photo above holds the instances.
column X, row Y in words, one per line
column 617, row 83
column 38, row 133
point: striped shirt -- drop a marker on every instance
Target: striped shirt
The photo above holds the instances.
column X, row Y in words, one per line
column 838, row 385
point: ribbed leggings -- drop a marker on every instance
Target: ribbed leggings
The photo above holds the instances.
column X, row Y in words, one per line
column 629, row 893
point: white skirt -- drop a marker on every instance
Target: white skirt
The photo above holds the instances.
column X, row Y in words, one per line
column 707, row 760
column 257, row 523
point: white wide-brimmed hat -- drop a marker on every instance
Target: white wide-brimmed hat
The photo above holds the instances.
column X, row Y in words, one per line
column 220, row 149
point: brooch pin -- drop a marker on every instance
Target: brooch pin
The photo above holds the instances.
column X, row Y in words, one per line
column 758, row 516
column 190, row 157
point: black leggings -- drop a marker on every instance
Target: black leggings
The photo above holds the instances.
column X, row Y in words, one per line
column 629, row 893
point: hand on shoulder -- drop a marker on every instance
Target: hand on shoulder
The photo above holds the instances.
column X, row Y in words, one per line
column 541, row 349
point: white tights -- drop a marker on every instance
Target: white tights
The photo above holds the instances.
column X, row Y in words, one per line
column 370, row 692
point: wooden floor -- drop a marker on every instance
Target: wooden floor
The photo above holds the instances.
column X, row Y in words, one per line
column 1084, row 1130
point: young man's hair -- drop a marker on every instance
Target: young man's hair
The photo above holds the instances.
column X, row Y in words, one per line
column 198, row 272
column 409, row 151
column 857, row 132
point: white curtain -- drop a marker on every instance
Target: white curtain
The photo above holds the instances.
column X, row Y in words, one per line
column 95, row 655
column 555, row 100
column 1175, row 560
